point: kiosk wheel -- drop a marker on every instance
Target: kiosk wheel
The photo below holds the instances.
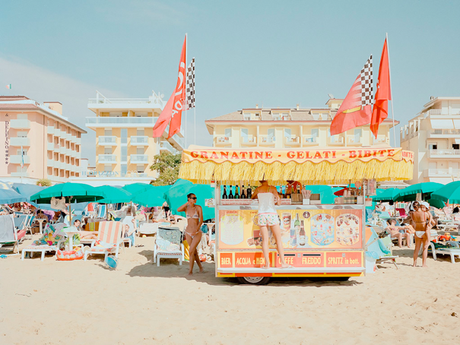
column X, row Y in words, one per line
column 254, row 280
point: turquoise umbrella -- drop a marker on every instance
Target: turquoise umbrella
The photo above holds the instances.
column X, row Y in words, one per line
column 176, row 196
column 410, row 193
column 73, row 192
column 437, row 203
column 450, row 192
column 114, row 195
column 386, row 195
column 152, row 197
column 135, row 188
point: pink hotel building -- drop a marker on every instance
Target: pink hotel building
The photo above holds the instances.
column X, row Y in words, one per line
column 51, row 145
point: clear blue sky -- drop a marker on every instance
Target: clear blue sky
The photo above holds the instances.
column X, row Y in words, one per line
column 273, row 53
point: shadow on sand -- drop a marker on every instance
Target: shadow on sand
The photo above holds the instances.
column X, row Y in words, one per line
column 170, row 268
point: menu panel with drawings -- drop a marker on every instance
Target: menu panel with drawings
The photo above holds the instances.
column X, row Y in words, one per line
column 304, row 228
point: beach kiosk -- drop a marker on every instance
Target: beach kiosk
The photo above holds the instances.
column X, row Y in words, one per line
column 320, row 240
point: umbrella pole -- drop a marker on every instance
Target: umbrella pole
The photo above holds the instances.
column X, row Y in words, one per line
column 70, row 211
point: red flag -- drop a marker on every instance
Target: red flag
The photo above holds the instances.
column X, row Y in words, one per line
column 179, row 95
column 383, row 93
column 164, row 118
column 356, row 109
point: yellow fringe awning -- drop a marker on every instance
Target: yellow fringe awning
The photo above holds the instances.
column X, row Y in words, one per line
column 308, row 167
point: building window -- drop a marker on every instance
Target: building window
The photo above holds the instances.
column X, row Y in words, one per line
column 456, row 146
column 140, row 132
column 107, row 150
column 124, row 136
column 140, row 169
column 271, row 135
column 244, row 134
column 247, row 116
column 124, row 170
column 124, row 154
column 433, row 146
column 140, row 150
column 108, row 132
column 228, row 132
column 357, row 135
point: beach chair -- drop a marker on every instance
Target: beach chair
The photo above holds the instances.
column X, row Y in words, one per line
column 453, row 251
column 386, row 245
column 168, row 244
column 102, row 211
column 52, row 240
column 9, row 234
column 109, row 240
column 148, row 229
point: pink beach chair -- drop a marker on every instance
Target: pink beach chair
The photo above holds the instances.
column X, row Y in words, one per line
column 109, row 240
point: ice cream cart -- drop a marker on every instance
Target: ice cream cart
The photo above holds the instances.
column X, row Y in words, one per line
column 320, row 240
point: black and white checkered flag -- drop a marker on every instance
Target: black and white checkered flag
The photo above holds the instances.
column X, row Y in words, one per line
column 190, row 96
column 367, row 83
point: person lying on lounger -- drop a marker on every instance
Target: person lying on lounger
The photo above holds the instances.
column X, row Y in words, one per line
column 399, row 231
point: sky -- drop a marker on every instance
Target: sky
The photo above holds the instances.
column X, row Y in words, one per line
column 270, row 53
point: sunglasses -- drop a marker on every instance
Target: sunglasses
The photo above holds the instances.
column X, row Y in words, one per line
column 193, row 197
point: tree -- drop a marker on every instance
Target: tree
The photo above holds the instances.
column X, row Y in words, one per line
column 167, row 165
column 44, row 182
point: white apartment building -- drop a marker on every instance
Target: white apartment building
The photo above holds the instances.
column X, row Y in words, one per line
column 124, row 147
column 291, row 128
column 434, row 137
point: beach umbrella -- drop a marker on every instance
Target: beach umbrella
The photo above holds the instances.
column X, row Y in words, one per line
column 114, row 195
column 176, row 196
column 410, row 193
column 437, row 203
column 386, row 195
column 27, row 190
column 135, row 188
column 9, row 196
column 6, row 185
column 449, row 192
column 73, row 192
column 153, row 197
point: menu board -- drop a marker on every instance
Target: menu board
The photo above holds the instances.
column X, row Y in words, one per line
column 314, row 228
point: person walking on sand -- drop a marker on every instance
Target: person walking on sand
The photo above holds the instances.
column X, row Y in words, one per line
column 268, row 218
column 422, row 223
column 194, row 215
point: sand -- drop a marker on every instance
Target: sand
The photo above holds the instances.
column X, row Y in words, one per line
column 79, row 302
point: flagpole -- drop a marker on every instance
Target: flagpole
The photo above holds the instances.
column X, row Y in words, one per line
column 185, row 100
column 392, row 109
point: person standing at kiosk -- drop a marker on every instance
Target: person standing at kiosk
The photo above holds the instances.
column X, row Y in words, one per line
column 268, row 218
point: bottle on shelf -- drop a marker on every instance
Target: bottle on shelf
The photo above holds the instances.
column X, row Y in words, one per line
column 230, row 195
column 302, row 237
column 249, row 192
column 224, row 194
column 237, row 192
column 243, row 192
column 296, row 225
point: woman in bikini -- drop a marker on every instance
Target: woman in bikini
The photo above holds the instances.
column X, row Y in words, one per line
column 268, row 218
column 422, row 223
column 194, row 214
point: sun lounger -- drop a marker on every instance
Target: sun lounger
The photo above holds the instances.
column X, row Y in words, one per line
column 51, row 241
column 9, row 234
column 386, row 246
column 168, row 244
column 109, row 240
column 453, row 251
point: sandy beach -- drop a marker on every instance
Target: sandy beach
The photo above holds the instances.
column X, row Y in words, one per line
column 53, row 302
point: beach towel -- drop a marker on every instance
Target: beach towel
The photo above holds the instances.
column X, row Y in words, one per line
column 52, row 235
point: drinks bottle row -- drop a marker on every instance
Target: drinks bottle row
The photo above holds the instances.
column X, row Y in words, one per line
column 237, row 193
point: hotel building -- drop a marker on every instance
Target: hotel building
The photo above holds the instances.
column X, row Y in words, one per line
column 38, row 141
column 290, row 128
column 125, row 148
column 434, row 137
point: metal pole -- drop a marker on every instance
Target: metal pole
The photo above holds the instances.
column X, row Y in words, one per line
column 392, row 109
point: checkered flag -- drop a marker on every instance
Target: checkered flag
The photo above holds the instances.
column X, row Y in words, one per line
column 190, row 96
column 367, row 83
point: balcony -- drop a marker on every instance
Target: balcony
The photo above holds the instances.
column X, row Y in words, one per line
column 167, row 147
column 222, row 140
column 444, row 133
column 139, row 159
column 249, row 140
column 20, row 124
column 50, row 129
column 107, row 159
column 444, row 153
column 125, row 122
column 17, row 159
column 20, row 174
column 20, row 141
column 380, row 140
column 108, row 141
column 336, row 141
column 50, row 163
column 354, row 141
column 265, row 140
column 140, row 140
column 308, row 140
column 293, row 140
column 446, row 173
